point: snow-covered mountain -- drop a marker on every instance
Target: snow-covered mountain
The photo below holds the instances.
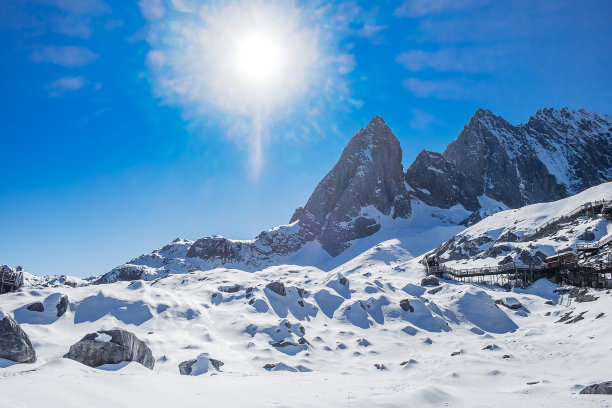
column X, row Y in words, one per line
column 492, row 163
column 491, row 166
column 530, row 234
column 289, row 335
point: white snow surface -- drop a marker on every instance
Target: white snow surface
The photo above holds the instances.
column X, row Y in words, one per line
column 523, row 222
column 351, row 327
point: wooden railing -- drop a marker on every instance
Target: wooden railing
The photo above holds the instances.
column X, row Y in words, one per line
column 484, row 271
column 591, row 246
column 572, row 214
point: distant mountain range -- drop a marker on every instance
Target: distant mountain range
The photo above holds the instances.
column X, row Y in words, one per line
column 491, row 166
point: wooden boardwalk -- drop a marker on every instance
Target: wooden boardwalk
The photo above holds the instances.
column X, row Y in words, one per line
column 514, row 275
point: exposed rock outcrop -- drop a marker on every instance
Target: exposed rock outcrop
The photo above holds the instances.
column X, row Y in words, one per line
column 15, row 344
column 110, row 347
column 601, row 388
column 36, row 307
column 62, row 306
column 200, row 365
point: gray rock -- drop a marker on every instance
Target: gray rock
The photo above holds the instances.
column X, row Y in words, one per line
column 277, row 287
column 36, row 307
column 430, row 281
column 601, row 388
column 110, row 347
column 406, row 306
column 15, row 344
column 62, row 306
column 509, row 302
column 186, row 367
column 587, row 235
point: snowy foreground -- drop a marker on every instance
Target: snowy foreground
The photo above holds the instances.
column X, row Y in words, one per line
column 362, row 349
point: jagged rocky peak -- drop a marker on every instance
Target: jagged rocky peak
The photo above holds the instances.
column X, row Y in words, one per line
column 368, row 178
column 438, row 183
column 555, row 154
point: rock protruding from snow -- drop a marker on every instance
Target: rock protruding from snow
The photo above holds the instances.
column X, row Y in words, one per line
column 509, row 302
column 200, row 365
column 430, row 281
column 62, row 306
column 277, row 287
column 111, row 347
column 601, row 388
column 36, row 307
column 15, row 344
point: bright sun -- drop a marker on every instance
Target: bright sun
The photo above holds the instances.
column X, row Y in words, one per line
column 258, row 58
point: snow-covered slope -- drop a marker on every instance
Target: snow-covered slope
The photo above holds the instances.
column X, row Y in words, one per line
column 511, row 235
column 369, row 317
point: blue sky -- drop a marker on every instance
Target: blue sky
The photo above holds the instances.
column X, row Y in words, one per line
column 114, row 141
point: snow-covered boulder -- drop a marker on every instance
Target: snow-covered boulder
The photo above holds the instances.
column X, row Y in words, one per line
column 15, row 344
column 509, row 302
column 200, row 365
column 110, row 347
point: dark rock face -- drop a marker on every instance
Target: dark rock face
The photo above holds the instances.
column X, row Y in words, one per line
column 185, row 366
column 601, row 388
column 369, row 173
column 110, row 347
column 439, row 183
column 587, row 236
column 406, row 306
column 277, row 287
column 123, row 273
column 36, row 307
column 548, row 158
column 62, row 306
column 430, row 281
column 15, row 344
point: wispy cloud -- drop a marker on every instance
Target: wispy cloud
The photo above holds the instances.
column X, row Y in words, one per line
column 468, row 60
column 154, row 9
column 441, row 89
column 66, row 84
column 421, row 119
column 420, row 8
column 67, row 56
column 67, row 17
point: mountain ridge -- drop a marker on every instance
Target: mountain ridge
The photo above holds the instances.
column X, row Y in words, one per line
column 491, row 166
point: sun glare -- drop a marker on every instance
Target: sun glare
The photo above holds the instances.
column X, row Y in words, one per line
column 252, row 62
column 258, row 58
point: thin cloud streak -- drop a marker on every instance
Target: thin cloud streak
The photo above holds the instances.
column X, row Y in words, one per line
column 67, row 56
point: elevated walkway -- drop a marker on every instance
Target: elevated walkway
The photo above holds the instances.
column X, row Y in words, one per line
column 589, row 209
